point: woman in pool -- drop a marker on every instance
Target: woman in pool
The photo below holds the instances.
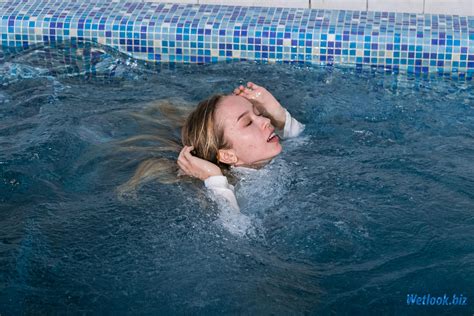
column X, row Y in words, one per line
column 233, row 131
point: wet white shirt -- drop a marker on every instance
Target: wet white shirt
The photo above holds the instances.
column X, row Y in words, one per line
column 219, row 184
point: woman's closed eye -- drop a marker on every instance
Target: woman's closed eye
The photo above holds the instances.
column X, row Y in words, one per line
column 250, row 121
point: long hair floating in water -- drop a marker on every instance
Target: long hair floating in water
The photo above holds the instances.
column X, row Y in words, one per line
column 167, row 126
column 160, row 127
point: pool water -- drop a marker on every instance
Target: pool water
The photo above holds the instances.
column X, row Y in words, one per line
column 371, row 203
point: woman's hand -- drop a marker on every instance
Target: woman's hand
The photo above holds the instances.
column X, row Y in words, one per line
column 265, row 102
column 196, row 167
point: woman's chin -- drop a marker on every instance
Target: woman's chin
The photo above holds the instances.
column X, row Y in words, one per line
column 276, row 151
column 279, row 148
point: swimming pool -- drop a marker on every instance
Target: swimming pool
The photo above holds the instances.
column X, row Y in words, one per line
column 364, row 213
column 373, row 202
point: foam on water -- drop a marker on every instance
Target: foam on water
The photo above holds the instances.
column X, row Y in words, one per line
column 259, row 190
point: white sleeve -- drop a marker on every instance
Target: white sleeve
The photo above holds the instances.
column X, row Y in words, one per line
column 229, row 217
column 221, row 188
column 292, row 127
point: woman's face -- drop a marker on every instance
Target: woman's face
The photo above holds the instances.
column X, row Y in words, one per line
column 248, row 132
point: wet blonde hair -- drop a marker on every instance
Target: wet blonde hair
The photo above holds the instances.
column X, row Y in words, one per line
column 163, row 121
column 202, row 131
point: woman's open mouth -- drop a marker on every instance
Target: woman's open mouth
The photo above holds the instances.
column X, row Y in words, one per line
column 273, row 138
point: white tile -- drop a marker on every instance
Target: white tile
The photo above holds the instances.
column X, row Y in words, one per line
column 357, row 5
column 410, row 6
column 261, row 3
column 458, row 7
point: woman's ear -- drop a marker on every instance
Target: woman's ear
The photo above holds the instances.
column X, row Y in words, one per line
column 227, row 156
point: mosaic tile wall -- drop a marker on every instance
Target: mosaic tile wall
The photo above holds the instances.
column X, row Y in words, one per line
column 164, row 32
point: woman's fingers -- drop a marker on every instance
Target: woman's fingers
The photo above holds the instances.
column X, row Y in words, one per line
column 181, row 154
column 186, row 149
column 252, row 85
column 187, row 153
column 182, row 169
column 183, row 164
column 186, row 159
column 239, row 90
column 183, row 158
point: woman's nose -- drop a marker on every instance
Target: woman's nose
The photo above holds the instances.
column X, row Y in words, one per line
column 266, row 122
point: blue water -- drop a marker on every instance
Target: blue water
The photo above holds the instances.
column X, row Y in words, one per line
column 373, row 202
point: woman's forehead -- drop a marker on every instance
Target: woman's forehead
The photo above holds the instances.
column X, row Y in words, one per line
column 235, row 105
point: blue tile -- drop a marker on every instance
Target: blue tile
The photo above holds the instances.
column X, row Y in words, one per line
column 429, row 40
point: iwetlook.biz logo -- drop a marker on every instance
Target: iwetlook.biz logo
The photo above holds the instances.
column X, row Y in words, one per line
column 427, row 299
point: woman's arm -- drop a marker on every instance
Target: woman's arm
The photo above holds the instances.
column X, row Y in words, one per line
column 230, row 216
column 210, row 173
column 221, row 188
column 271, row 108
column 292, row 127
